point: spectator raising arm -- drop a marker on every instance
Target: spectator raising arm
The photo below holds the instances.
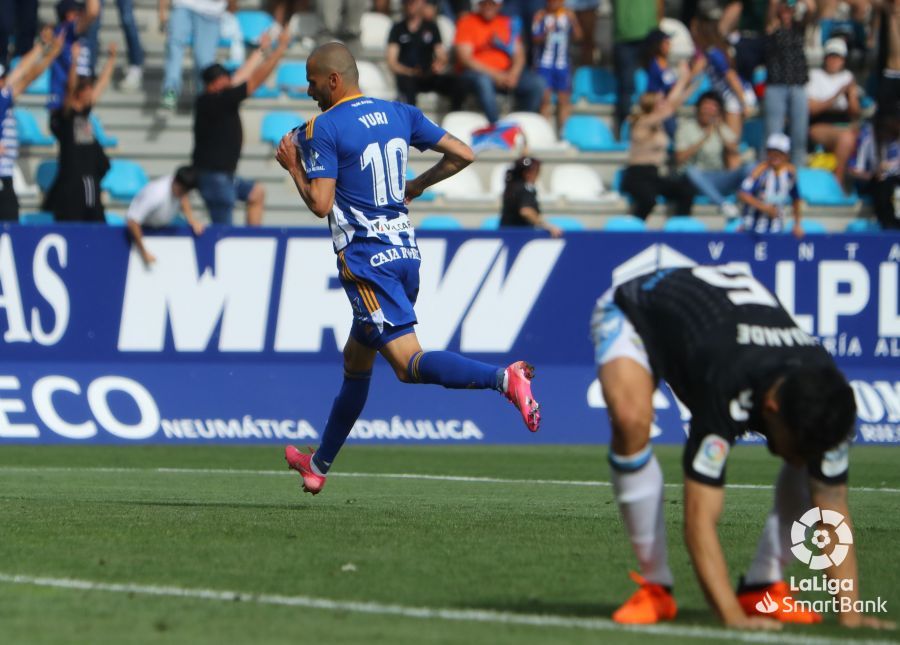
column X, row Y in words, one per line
column 105, row 74
column 262, row 69
column 33, row 64
column 88, row 16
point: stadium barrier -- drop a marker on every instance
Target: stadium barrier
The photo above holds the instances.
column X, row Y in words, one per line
column 235, row 336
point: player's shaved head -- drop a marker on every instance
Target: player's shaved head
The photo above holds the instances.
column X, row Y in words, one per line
column 335, row 58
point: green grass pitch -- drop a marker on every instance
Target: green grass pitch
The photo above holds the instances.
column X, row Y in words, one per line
column 509, row 559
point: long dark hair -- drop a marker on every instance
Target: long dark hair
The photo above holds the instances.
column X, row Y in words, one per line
column 516, row 173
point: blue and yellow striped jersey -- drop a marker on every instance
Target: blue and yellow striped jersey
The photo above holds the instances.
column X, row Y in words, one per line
column 363, row 143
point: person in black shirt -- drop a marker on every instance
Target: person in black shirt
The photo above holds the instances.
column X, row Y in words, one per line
column 218, row 133
column 520, row 204
column 75, row 193
column 737, row 360
column 787, row 73
column 418, row 58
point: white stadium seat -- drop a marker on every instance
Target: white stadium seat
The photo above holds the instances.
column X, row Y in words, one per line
column 464, row 185
column 539, row 134
column 375, row 28
column 21, row 186
column 448, row 30
column 462, row 124
column 576, row 182
column 372, row 81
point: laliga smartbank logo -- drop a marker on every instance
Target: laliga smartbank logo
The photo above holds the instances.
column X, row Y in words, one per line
column 821, row 538
column 832, row 524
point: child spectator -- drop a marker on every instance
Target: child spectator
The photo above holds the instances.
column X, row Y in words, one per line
column 769, row 188
column 75, row 194
column 876, row 166
column 834, row 105
column 158, row 204
column 418, row 58
column 552, row 31
column 520, row 203
column 737, row 95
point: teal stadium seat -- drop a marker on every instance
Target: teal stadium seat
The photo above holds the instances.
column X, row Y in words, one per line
column 276, row 124
column 624, row 224
column 124, row 179
column 703, row 86
column 863, row 226
column 46, row 174
column 684, row 224
column 253, row 24
column 491, row 223
column 291, row 79
column 820, row 188
column 595, row 85
column 641, row 81
column 103, row 138
column 752, row 134
column 567, row 223
column 810, row 227
column 30, row 133
column 439, row 223
column 591, row 134
column 36, row 219
column 732, row 225
column 40, row 85
column 114, row 219
column 428, row 195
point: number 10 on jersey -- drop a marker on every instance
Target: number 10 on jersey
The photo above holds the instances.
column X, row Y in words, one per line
column 388, row 169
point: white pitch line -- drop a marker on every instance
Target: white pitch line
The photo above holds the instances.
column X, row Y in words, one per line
column 413, row 476
column 428, row 613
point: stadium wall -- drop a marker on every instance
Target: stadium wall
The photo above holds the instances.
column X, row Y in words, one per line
column 235, row 336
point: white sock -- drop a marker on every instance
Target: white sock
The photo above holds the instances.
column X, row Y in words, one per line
column 640, row 498
column 773, row 553
column 313, row 467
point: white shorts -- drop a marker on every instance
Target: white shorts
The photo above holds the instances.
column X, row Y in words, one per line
column 614, row 336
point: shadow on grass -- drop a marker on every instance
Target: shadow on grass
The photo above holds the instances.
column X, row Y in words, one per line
column 600, row 610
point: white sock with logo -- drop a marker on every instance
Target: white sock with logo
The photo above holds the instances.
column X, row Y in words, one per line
column 773, row 553
column 640, row 498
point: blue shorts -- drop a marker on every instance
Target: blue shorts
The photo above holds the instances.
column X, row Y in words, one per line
column 557, row 80
column 220, row 191
column 382, row 284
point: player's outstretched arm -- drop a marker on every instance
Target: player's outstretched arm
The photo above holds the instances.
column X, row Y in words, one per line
column 457, row 155
column 702, row 508
column 834, row 497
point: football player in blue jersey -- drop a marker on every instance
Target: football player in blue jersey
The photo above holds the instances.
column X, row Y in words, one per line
column 349, row 165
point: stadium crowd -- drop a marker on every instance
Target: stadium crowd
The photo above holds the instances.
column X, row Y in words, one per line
column 721, row 102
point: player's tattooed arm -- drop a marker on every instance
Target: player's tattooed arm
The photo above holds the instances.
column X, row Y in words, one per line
column 457, row 155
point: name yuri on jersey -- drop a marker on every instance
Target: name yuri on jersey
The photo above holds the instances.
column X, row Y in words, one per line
column 372, row 119
column 772, row 336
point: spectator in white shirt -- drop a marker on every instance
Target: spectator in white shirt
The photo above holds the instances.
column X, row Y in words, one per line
column 159, row 203
column 834, row 105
